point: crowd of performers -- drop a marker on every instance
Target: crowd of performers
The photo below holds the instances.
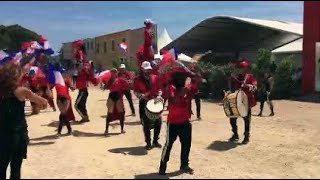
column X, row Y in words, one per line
column 167, row 81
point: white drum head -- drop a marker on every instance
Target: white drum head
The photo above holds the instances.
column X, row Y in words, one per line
column 155, row 105
column 242, row 104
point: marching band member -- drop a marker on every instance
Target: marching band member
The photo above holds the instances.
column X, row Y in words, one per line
column 178, row 122
column 146, row 87
column 248, row 83
column 115, row 105
column 34, row 87
column 13, row 125
column 145, row 52
column 85, row 74
column 45, row 90
column 125, row 75
column 63, row 103
column 196, row 82
column 68, row 81
column 267, row 87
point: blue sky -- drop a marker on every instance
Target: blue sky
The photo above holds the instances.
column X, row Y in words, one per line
column 70, row 20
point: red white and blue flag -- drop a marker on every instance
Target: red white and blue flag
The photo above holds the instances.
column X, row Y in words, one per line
column 123, row 47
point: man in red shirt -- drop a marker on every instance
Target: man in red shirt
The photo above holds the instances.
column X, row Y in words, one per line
column 248, row 83
column 146, row 87
column 178, row 122
column 126, row 76
column 85, row 74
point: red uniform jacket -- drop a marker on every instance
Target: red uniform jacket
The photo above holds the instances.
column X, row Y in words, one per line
column 128, row 76
column 83, row 78
column 179, row 111
column 140, row 86
column 64, row 91
column 249, row 79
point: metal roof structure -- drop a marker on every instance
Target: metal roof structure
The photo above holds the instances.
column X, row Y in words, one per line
column 235, row 34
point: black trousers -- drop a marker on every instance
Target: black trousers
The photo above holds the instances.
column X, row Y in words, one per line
column 12, row 151
column 184, row 131
column 265, row 97
column 129, row 98
column 148, row 125
column 81, row 102
column 247, row 121
column 63, row 120
column 198, row 104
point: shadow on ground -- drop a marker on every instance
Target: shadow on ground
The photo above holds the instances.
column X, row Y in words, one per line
column 77, row 133
column 157, row 176
column 134, row 151
column 40, row 143
column 223, row 145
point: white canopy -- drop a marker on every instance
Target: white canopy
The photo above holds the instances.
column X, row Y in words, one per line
column 295, row 46
column 163, row 40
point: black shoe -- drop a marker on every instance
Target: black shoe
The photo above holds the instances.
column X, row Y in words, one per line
column 245, row 140
column 84, row 120
column 148, row 147
column 234, row 138
column 163, row 168
column 157, row 145
column 199, row 118
column 260, row 114
column 272, row 114
column 69, row 132
column 187, row 169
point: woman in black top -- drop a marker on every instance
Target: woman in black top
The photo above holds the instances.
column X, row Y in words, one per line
column 13, row 126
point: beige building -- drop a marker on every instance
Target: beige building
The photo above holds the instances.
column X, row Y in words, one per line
column 67, row 53
column 104, row 50
column 108, row 51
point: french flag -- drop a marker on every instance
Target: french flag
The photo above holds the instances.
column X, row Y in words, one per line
column 123, row 47
column 60, row 85
column 174, row 52
column 4, row 58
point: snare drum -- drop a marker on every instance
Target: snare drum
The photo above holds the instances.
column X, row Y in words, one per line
column 236, row 104
column 154, row 109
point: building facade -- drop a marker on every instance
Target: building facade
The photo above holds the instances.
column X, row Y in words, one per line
column 104, row 50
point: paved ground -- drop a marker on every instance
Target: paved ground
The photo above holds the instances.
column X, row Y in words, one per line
column 284, row 146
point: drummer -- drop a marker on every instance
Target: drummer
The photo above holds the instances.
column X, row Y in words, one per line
column 147, row 87
column 248, row 83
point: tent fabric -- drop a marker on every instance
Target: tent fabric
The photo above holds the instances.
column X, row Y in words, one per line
column 235, row 34
column 163, row 40
column 295, row 46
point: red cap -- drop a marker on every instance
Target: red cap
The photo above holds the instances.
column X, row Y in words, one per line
column 25, row 45
column 244, row 64
column 43, row 39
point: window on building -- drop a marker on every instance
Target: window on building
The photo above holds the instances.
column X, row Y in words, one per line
column 123, row 39
column 91, row 45
column 97, row 45
column 105, row 47
column 113, row 45
column 88, row 46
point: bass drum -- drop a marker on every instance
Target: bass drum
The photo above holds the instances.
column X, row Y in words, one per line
column 154, row 109
column 236, row 104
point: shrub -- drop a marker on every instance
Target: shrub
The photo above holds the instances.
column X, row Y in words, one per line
column 217, row 77
column 284, row 84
